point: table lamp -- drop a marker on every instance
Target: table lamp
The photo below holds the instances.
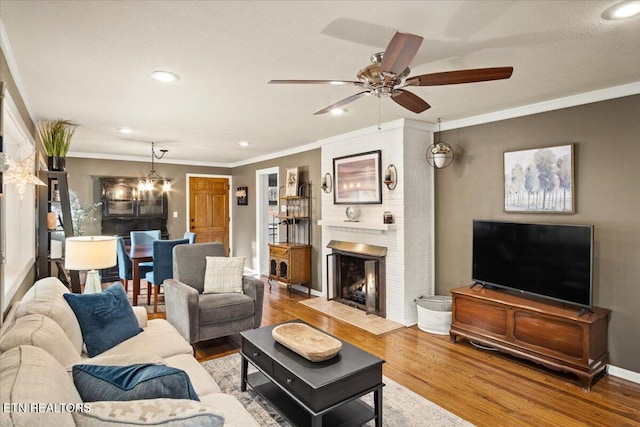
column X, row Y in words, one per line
column 90, row 253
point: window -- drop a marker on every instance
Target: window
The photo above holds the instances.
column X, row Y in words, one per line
column 18, row 217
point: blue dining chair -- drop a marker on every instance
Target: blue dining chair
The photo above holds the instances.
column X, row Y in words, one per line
column 190, row 235
column 125, row 270
column 145, row 237
column 162, row 265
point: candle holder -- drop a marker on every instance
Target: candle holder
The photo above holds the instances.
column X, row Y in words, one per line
column 391, row 177
column 327, row 183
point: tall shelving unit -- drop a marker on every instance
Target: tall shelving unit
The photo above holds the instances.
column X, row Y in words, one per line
column 64, row 226
column 290, row 259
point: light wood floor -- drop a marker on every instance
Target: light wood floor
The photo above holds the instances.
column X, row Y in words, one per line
column 485, row 388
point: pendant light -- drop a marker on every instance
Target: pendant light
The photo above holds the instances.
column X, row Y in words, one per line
column 440, row 154
column 147, row 183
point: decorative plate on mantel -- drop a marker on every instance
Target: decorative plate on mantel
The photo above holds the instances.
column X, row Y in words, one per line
column 308, row 342
column 352, row 214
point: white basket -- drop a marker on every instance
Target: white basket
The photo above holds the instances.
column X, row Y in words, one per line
column 434, row 314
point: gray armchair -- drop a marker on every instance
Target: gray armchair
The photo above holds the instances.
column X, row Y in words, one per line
column 199, row 317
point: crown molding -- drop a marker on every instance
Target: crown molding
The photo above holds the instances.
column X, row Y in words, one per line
column 542, row 107
column 101, row 156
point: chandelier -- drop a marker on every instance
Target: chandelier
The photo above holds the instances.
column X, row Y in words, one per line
column 147, row 184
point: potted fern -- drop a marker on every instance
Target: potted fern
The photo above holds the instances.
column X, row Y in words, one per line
column 56, row 138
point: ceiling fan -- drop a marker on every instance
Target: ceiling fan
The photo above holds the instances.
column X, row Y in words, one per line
column 387, row 76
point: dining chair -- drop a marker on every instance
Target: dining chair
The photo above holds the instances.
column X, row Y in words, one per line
column 190, row 235
column 125, row 270
column 162, row 265
column 145, row 237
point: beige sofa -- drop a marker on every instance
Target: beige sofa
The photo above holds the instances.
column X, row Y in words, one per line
column 40, row 342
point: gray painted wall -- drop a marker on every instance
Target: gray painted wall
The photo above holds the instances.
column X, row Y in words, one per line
column 244, row 217
column 607, row 151
column 85, row 174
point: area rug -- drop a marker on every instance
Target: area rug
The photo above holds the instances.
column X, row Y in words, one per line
column 401, row 406
column 369, row 322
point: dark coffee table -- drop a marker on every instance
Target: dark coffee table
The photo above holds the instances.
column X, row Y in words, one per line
column 313, row 393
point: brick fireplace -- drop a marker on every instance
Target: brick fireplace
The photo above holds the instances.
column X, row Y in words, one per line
column 356, row 274
column 408, row 267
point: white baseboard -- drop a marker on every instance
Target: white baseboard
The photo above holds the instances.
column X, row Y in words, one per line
column 625, row 374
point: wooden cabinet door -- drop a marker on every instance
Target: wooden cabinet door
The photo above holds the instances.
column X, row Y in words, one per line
column 209, row 209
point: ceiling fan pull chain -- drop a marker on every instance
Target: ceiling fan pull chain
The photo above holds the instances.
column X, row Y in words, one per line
column 379, row 121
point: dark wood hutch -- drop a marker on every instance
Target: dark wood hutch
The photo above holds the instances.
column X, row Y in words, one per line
column 125, row 209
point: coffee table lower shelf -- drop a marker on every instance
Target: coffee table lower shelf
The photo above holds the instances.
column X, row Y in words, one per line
column 353, row 413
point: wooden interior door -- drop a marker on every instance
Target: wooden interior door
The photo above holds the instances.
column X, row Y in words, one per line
column 209, row 209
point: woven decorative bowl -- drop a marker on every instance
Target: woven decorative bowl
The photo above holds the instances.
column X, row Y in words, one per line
column 308, row 342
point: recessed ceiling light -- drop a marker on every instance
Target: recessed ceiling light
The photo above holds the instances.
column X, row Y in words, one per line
column 622, row 10
column 337, row 111
column 125, row 130
column 165, row 76
column 244, row 144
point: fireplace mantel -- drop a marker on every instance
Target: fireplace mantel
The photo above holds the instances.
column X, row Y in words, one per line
column 357, row 225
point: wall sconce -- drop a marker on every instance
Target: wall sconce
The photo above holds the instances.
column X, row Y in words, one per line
column 242, row 195
column 439, row 155
column 391, row 177
column 327, row 183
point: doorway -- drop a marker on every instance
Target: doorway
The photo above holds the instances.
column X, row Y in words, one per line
column 266, row 215
column 208, row 208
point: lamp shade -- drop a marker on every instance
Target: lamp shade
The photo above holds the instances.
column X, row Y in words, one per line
column 90, row 252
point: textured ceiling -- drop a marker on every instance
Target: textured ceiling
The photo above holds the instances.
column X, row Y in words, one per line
column 89, row 61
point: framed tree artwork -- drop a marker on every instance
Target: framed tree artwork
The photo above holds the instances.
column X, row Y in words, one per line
column 540, row 180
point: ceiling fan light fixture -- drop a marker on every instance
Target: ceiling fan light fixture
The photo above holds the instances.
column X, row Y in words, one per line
column 165, row 76
column 622, row 10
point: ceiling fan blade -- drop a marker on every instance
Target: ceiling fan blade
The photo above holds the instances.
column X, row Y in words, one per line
column 341, row 103
column 410, row 101
column 316, row 82
column 399, row 53
column 461, row 76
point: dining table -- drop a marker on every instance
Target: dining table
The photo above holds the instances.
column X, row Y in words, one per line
column 139, row 254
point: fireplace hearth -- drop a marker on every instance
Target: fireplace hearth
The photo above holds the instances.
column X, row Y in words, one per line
column 356, row 275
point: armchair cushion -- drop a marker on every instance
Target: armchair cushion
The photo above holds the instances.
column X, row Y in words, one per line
column 132, row 382
column 220, row 308
column 106, row 319
column 223, row 275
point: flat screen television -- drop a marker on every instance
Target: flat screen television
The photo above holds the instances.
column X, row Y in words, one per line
column 548, row 260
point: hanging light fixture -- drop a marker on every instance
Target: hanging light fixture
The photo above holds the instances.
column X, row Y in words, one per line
column 147, row 183
column 439, row 155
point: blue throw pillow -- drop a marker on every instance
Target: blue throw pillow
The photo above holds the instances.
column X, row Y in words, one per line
column 135, row 382
column 106, row 318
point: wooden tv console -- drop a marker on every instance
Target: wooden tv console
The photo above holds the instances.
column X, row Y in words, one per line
column 546, row 332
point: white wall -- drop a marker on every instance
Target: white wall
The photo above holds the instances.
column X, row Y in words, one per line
column 409, row 262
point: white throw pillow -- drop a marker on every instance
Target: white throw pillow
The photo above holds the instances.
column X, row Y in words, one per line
column 223, row 274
